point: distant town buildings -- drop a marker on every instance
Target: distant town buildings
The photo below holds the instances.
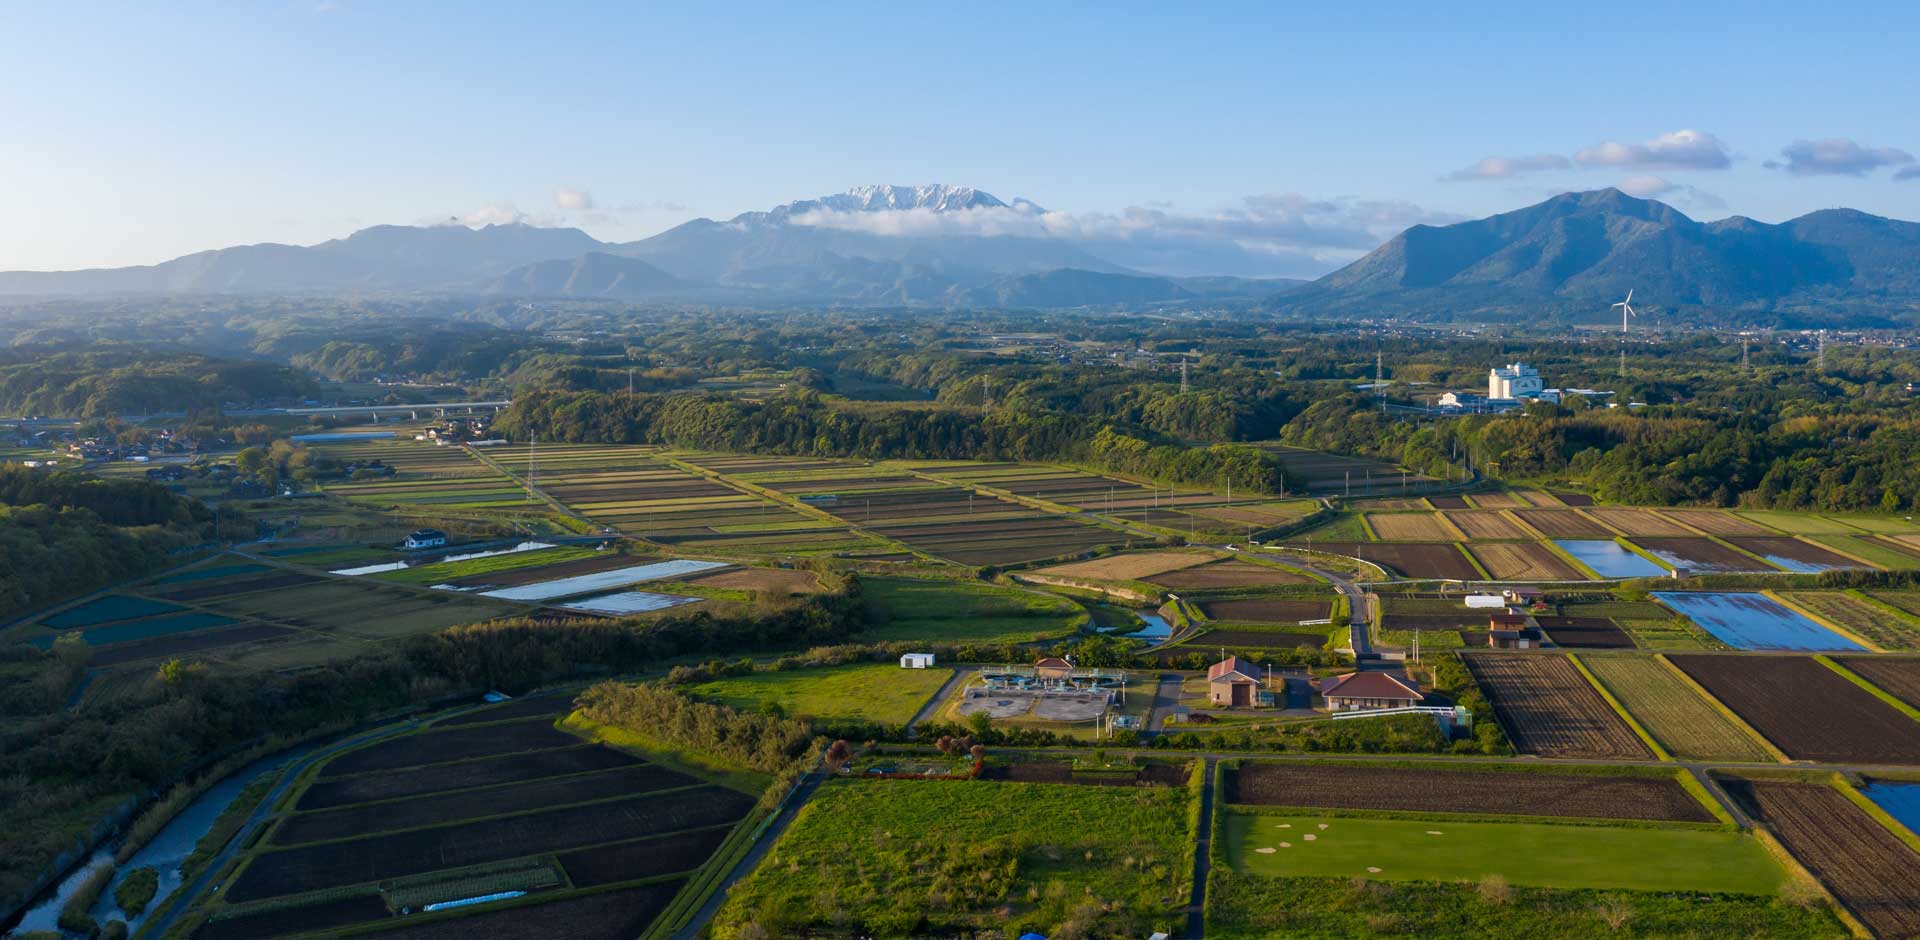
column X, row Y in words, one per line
column 1510, row 388
column 1518, row 380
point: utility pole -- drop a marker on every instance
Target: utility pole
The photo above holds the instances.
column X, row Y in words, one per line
column 1379, row 380
column 629, row 380
column 531, row 438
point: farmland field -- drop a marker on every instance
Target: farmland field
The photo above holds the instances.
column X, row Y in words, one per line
column 1886, row 627
column 1637, row 522
column 425, row 476
column 1585, row 632
column 1010, row 856
column 1550, row 710
column 107, row 610
column 1684, row 723
column 1634, row 858
column 1715, row 522
column 1499, row 500
column 1897, row 676
column 1448, row 502
column 363, row 608
column 1417, row 560
column 1191, row 511
column 900, row 609
column 498, row 801
column 1267, row 609
column 1699, row 555
column 1523, row 561
column 1410, row 527
column 1807, row 710
column 881, row 692
column 1871, row 871
column 1487, row 525
column 1608, row 559
column 1793, row 554
column 1891, row 554
column 1516, row 791
column 1227, row 574
column 1258, row 639
column 1753, row 621
column 1794, row 523
column 1562, row 524
column 1129, row 566
column 1336, row 475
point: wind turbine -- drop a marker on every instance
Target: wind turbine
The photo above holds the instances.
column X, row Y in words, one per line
column 1626, row 310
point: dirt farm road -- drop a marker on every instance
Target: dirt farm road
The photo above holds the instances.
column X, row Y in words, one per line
column 960, row 677
column 1202, row 859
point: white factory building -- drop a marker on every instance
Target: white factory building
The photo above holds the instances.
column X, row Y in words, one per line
column 1518, row 380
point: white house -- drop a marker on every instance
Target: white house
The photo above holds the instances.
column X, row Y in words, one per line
column 916, row 661
column 426, row 538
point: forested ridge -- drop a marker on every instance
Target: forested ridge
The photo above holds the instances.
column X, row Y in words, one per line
column 64, row 533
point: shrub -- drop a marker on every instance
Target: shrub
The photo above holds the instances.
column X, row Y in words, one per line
column 136, row 891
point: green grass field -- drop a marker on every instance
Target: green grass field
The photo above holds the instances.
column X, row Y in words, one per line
column 1672, row 711
column 1669, row 634
column 946, row 857
column 1546, row 855
column 1341, row 527
column 1868, row 549
column 1251, row 907
column 881, row 692
column 961, row 611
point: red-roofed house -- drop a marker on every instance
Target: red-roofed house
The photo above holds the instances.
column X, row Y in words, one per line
column 1233, row 682
column 1053, row 667
column 1357, row 691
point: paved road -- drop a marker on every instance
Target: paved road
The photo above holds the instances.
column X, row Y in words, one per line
column 1359, row 602
column 927, row 711
column 1202, row 860
column 751, row 860
column 1166, row 702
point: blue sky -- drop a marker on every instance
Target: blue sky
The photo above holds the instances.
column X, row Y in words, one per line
column 137, row 132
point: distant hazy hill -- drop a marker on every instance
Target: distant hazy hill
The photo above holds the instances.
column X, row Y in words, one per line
column 384, row 257
column 1591, row 248
column 928, row 246
column 594, row 274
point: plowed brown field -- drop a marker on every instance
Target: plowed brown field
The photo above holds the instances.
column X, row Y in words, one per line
column 1549, row 709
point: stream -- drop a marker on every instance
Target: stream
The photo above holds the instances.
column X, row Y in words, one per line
column 165, row 853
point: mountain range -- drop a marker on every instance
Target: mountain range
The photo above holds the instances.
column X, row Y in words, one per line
column 1569, row 253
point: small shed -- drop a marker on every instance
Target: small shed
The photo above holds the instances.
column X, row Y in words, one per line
column 916, row 661
column 426, row 538
column 1360, row 691
column 1053, row 667
column 1233, row 682
column 1485, row 601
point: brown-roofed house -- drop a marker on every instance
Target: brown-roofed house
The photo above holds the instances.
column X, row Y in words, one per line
column 1233, row 682
column 1053, row 667
column 1357, row 691
column 1512, row 631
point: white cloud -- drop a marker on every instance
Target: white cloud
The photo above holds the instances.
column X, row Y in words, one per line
column 1910, row 173
column 1659, row 187
column 1498, row 168
column 1838, row 156
column 1272, row 234
column 1680, row 150
column 572, row 200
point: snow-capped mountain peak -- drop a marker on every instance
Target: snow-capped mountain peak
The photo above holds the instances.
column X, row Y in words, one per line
column 933, row 197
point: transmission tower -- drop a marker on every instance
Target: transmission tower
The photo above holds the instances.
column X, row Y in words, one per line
column 1746, row 362
column 1822, row 357
column 1183, row 373
column 1379, row 380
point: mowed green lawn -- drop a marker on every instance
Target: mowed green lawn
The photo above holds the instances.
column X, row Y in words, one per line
column 960, row 611
column 881, row 692
column 1523, row 853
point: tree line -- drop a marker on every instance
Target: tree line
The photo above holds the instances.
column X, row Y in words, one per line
column 806, row 425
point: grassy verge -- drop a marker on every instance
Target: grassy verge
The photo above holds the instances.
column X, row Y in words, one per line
column 1868, row 687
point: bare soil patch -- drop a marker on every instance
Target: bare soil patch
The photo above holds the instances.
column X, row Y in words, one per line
column 1563, row 524
column 1549, row 709
column 1405, row 789
column 1267, row 609
column 1871, row 871
column 1523, row 561
column 1806, row 709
